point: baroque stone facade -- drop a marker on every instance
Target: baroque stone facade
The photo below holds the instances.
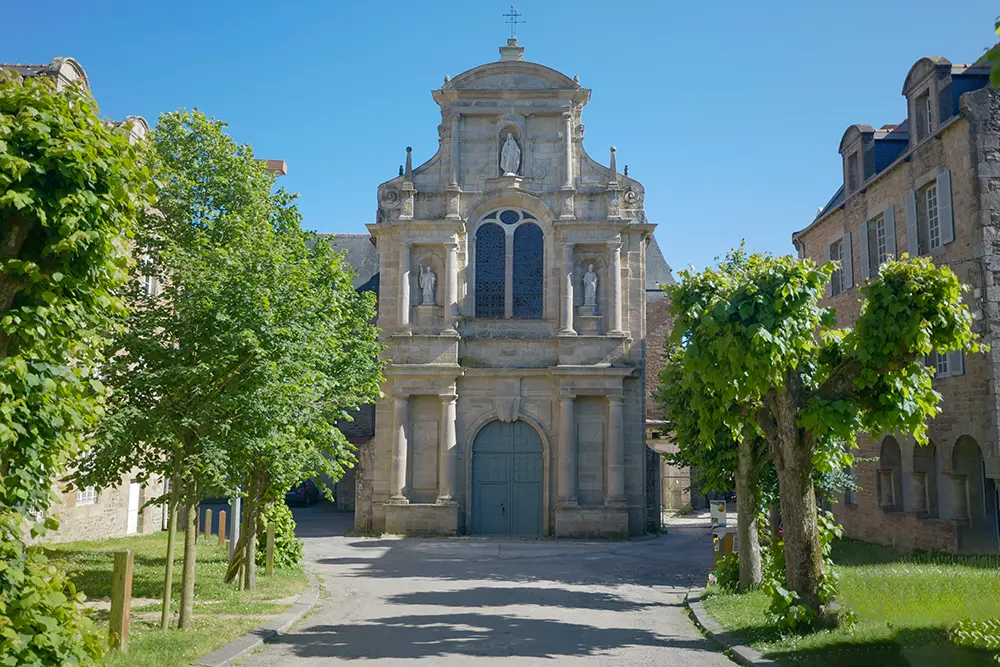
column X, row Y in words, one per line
column 515, row 399
column 928, row 186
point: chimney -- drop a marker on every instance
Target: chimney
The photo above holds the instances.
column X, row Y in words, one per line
column 277, row 167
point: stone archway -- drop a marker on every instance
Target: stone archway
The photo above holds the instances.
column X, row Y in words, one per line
column 507, row 480
column 974, row 504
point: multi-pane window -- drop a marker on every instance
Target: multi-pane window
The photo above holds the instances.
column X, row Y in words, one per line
column 528, row 272
column 518, row 240
column 878, row 243
column 933, row 221
column 490, row 271
column 86, row 496
column 837, row 279
column 946, row 364
column 150, row 285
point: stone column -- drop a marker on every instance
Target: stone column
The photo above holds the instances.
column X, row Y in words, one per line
column 401, row 431
column 918, row 485
column 959, row 498
column 568, row 148
column 450, row 286
column 615, row 488
column 567, row 451
column 404, row 285
column 615, row 271
column 448, row 450
column 455, row 120
column 567, row 315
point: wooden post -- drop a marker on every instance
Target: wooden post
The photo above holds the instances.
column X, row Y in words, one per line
column 121, row 600
column 270, row 548
column 208, row 524
column 222, row 528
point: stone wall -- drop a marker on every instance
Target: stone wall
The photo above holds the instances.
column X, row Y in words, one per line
column 108, row 516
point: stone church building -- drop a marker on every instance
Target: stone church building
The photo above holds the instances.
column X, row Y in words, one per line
column 512, row 281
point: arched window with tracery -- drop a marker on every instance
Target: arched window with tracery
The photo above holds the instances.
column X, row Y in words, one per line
column 528, row 272
column 509, row 235
column 490, row 271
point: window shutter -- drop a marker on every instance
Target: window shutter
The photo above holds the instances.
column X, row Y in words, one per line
column 866, row 268
column 945, row 217
column 848, row 271
column 827, row 252
column 889, row 216
column 956, row 363
column 912, row 242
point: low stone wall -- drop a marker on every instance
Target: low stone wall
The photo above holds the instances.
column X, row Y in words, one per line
column 422, row 519
column 903, row 530
column 604, row 522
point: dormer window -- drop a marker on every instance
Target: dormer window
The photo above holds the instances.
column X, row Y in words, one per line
column 853, row 172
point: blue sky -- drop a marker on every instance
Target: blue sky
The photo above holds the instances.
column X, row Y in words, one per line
column 729, row 113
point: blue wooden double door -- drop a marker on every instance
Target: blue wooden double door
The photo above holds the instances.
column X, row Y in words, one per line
column 507, row 480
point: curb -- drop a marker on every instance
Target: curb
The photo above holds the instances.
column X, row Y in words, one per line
column 240, row 646
column 738, row 653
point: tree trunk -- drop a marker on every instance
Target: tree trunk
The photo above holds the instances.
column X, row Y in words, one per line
column 252, row 503
column 775, row 524
column 747, row 507
column 793, row 459
column 168, row 579
column 190, row 558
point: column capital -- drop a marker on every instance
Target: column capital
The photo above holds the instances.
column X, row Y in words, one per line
column 401, row 398
column 450, row 244
column 616, row 398
column 567, row 115
column 569, row 246
column 567, row 398
column 406, row 245
column 448, row 398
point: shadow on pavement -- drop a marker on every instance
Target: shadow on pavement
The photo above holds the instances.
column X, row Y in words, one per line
column 322, row 520
column 487, row 596
column 471, row 634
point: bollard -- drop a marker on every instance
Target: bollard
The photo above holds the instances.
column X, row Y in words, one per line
column 270, row 548
column 121, row 600
column 222, row 528
column 208, row 524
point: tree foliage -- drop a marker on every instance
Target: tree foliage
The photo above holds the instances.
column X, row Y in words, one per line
column 71, row 187
column 757, row 354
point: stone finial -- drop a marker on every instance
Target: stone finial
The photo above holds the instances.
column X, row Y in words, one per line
column 613, row 178
column 446, row 79
column 409, row 163
column 512, row 51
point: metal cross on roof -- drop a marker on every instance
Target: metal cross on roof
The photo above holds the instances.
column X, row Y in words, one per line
column 512, row 18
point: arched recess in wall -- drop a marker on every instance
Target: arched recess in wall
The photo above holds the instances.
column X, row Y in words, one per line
column 925, row 476
column 890, row 476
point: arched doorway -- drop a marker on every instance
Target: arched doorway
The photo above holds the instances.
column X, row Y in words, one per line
column 507, row 480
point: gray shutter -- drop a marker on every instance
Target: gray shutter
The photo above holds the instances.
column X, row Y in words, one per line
column 956, row 363
column 866, row 269
column 848, row 281
column 827, row 253
column 890, row 230
column 912, row 241
column 945, row 217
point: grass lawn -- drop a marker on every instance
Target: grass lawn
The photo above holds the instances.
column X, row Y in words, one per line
column 221, row 612
column 904, row 603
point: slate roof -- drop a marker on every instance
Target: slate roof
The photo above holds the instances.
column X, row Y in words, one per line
column 361, row 256
column 658, row 272
column 26, row 69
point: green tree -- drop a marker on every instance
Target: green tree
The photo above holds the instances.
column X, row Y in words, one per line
column 232, row 373
column 72, row 188
column 762, row 355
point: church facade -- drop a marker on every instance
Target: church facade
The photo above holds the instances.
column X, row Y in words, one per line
column 512, row 300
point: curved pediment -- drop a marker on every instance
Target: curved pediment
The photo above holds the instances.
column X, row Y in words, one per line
column 853, row 133
column 922, row 69
column 511, row 75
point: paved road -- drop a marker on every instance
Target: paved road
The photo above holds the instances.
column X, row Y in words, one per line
column 503, row 602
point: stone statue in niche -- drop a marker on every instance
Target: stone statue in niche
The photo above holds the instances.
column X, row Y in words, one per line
column 510, row 156
column 427, row 281
column 590, row 287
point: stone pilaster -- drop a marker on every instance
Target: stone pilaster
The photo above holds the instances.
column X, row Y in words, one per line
column 451, row 286
column 448, row 449
column 615, row 276
column 567, row 451
column 615, row 486
column 404, row 285
column 401, row 438
column 567, row 314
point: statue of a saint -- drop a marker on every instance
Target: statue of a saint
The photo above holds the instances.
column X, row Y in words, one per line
column 590, row 287
column 510, row 156
column 427, row 280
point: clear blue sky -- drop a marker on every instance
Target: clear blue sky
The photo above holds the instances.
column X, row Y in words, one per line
column 730, row 113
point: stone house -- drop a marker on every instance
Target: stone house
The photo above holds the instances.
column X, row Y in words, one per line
column 513, row 276
column 118, row 511
column 927, row 186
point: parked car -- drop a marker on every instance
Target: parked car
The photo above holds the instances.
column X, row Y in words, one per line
column 304, row 493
